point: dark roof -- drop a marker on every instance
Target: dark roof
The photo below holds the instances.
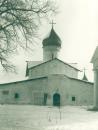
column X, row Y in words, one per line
column 52, row 39
column 52, row 60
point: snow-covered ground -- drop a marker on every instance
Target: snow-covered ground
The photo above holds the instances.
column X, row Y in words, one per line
column 29, row 117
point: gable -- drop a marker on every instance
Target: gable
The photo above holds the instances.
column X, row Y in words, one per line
column 34, row 63
column 58, row 60
column 54, row 66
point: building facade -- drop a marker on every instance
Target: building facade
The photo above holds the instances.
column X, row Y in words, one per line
column 50, row 82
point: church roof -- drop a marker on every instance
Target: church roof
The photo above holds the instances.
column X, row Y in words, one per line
column 57, row 60
column 52, row 39
column 25, row 80
column 81, row 80
column 75, row 79
column 31, row 64
column 45, row 77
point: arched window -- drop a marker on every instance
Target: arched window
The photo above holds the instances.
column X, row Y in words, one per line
column 16, row 95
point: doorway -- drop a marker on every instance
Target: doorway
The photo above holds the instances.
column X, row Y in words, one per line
column 56, row 99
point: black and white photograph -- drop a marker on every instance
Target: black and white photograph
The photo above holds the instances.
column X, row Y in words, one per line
column 48, row 64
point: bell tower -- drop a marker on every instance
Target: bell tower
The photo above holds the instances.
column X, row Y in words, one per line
column 51, row 45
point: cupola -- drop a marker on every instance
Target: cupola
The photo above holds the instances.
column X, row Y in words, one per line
column 52, row 39
column 51, row 45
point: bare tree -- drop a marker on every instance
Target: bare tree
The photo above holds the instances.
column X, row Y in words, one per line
column 19, row 21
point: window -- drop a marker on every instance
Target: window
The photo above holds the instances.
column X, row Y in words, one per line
column 16, row 95
column 45, row 98
column 38, row 98
column 73, row 98
column 5, row 92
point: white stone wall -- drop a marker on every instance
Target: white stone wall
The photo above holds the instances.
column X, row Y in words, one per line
column 52, row 67
column 68, row 88
column 33, row 90
column 50, row 52
column 26, row 91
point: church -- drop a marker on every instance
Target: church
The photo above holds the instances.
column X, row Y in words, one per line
column 50, row 82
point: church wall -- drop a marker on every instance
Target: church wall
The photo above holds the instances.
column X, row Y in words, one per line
column 68, row 89
column 7, row 94
column 26, row 91
column 82, row 91
column 50, row 52
column 33, row 91
column 53, row 67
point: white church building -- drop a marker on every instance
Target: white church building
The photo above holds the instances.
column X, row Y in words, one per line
column 51, row 81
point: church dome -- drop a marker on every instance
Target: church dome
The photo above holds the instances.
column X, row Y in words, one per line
column 52, row 39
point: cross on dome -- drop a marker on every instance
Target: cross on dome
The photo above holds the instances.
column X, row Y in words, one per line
column 52, row 23
column 52, row 39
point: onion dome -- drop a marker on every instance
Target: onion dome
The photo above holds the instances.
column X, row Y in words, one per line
column 52, row 39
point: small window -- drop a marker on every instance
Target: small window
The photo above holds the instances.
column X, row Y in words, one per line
column 5, row 92
column 16, row 95
column 73, row 98
column 45, row 98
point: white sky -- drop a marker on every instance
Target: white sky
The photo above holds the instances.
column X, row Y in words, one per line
column 76, row 24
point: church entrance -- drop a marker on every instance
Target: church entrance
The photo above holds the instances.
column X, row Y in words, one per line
column 56, row 99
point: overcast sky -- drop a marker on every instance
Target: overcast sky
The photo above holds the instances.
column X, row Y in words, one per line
column 76, row 25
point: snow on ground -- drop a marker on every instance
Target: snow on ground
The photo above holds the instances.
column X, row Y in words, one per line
column 29, row 117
